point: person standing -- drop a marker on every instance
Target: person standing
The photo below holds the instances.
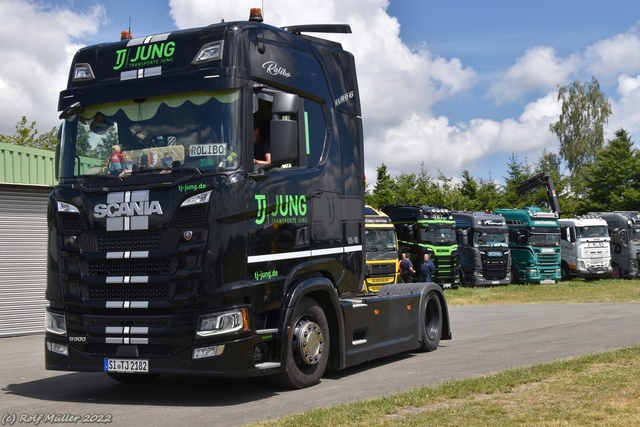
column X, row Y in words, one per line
column 427, row 269
column 406, row 269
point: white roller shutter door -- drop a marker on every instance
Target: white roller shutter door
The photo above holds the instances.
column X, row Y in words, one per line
column 23, row 258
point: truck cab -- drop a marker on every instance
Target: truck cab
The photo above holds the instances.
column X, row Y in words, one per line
column 585, row 248
column 174, row 249
column 428, row 229
column 483, row 246
column 534, row 240
column 381, row 249
column 623, row 228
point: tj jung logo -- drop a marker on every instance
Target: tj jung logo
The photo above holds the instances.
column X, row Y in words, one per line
column 287, row 210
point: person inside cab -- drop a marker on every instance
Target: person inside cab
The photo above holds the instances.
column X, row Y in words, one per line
column 261, row 147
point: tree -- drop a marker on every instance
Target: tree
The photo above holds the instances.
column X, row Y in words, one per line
column 517, row 172
column 384, row 190
column 612, row 182
column 27, row 136
column 580, row 127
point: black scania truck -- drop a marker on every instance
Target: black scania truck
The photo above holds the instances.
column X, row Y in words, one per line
column 172, row 251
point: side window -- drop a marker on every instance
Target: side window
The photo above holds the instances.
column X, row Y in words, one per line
column 261, row 129
column 315, row 131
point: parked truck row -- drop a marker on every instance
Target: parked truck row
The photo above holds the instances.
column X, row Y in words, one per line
column 521, row 245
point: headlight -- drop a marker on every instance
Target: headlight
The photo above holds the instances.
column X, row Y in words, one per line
column 55, row 323
column 223, row 323
column 66, row 207
column 197, row 199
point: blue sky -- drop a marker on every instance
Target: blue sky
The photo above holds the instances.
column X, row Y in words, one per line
column 445, row 85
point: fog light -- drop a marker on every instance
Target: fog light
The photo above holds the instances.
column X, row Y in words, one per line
column 58, row 348
column 55, row 323
column 214, row 350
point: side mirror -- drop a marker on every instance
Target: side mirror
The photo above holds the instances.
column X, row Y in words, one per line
column 284, row 129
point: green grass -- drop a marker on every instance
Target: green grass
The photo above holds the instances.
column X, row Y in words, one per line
column 575, row 291
column 594, row 390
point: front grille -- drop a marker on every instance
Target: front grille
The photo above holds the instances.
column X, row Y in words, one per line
column 383, row 269
column 128, row 292
column 191, row 215
column 70, row 222
column 129, row 267
column 150, row 351
column 131, row 321
column 130, row 241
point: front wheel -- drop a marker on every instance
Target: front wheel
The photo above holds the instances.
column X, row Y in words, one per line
column 432, row 322
column 615, row 272
column 308, row 349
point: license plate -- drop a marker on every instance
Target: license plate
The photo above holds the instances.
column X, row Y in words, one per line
column 126, row 365
column 547, row 282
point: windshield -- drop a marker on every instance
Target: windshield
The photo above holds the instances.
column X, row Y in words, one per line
column 491, row 239
column 591, row 232
column 161, row 134
column 380, row 240
column 544, row 239
column 435, row 235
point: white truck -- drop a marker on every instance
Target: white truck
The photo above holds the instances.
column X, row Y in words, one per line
column 585, row 248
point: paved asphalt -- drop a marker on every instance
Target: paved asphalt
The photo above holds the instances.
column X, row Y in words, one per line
column 486, row 339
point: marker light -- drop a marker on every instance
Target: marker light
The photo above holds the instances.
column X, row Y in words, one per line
column 209, row 52
column 82, row 72
column 197, row 199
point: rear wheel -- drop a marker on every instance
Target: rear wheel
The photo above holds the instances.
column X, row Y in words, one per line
column 432, row 322
column 308, row 349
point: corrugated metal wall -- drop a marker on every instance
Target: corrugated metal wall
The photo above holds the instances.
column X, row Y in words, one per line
column 24, row 165
column 23, row 258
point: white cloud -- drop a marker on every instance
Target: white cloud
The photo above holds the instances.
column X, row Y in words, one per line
column 538, row 69
column 616, row 55
column 36, row 47
column 399, row 86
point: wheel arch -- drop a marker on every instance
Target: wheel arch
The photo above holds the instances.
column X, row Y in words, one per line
column 323, row 291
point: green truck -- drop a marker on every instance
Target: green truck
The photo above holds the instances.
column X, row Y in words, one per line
column 534, row 236
column 432, row 230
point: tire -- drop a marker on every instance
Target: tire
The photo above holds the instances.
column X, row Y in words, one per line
column 133, row 378
column 307, row 349
column 564, row 272
column 615, row 272
column 432, row 323
column 515, row 279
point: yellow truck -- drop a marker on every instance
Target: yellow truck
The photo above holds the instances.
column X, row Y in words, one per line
column 381, row 248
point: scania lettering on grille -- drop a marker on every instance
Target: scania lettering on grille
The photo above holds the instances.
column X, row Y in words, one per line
column 494, row 253
column 128, row 210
